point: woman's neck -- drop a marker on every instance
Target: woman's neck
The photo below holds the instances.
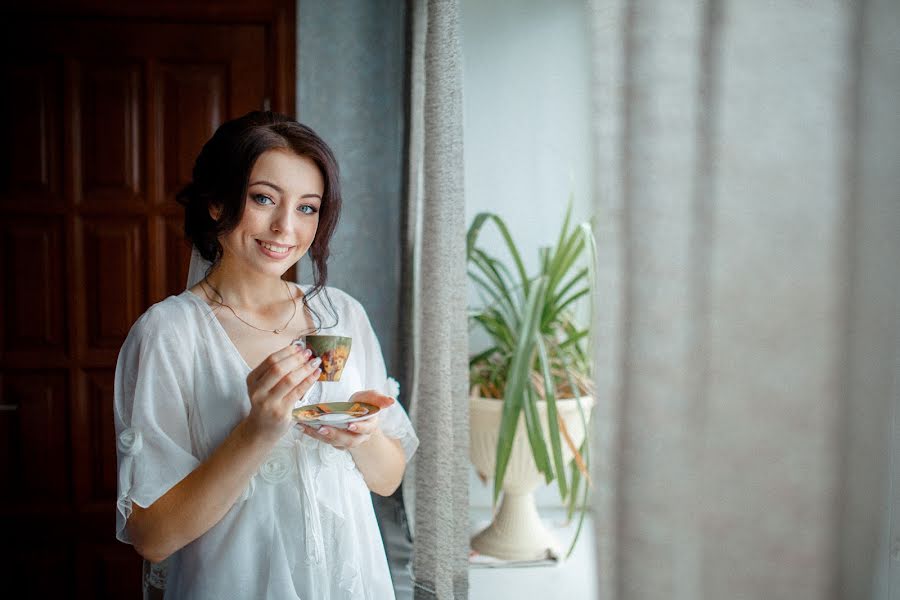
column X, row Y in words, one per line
column 246, row 289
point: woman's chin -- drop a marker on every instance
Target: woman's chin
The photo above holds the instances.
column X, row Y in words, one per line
column 273, row 270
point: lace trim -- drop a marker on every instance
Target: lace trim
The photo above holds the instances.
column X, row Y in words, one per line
column 155, row 574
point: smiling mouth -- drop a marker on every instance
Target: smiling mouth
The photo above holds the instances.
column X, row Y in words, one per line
column 274, row 248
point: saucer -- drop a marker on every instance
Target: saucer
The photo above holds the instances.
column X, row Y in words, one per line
column 334, row 414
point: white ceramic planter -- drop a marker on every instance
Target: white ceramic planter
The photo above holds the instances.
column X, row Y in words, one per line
column 516, row 532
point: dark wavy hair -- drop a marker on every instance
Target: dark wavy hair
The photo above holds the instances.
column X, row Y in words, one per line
column 221, row 175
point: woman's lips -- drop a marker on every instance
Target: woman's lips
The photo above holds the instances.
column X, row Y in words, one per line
column 274, row 250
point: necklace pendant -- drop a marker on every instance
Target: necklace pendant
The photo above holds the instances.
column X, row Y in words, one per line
column 275, row 331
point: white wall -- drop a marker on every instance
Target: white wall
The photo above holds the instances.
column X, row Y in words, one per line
column 527, row 141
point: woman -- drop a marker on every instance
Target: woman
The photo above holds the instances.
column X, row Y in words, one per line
column 216, row 480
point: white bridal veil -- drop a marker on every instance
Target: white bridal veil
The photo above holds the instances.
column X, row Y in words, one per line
column 198, row 268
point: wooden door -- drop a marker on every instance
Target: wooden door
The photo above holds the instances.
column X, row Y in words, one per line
column 104, row 117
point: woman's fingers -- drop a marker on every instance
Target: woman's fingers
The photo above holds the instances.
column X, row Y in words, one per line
column 364, row 427
column 294, row 384
column 270, row 386
column 343, row 439
column 357, row 432
column 278, row 369
column 272, row 359
column 301, row 388
column 372, row 397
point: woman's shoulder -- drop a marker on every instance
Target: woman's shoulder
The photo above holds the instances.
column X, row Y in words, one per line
column 173, row 316
column 164, row 336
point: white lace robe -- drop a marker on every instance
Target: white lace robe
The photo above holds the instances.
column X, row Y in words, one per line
column 304, row 527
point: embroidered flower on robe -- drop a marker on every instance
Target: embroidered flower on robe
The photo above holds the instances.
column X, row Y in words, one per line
column 392, row 388
column 130, row 442
column 277, row 466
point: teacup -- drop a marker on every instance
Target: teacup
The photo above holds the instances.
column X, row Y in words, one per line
column 334, row 350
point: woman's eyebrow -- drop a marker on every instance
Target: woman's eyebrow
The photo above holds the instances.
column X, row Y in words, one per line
column 281, row 191
column 270, row 184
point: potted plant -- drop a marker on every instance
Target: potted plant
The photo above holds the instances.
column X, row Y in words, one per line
column 531, row 389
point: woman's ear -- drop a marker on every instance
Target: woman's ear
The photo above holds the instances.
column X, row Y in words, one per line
column 214, row 211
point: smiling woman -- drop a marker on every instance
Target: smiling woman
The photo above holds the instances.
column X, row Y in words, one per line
column 249, row 163
column 280, row 219
column 219, row 487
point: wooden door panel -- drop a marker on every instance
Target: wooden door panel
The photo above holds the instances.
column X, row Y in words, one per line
column 48, row 569
column 114, row 283
column 242, row 48
column 108, row 113
column 34, row 424
column 110, row 119
column 105, row 571
column 30, row 143
column 100, row 451
column 33, row 302
column 193, row 104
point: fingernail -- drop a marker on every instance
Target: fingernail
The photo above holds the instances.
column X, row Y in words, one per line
column 316, row 362
column 317, row 372
column 351, row 427
column 324, row 431
column 307, row 353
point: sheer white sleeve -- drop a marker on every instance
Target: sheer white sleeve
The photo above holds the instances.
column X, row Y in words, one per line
column 153, row 437
column 394, row 421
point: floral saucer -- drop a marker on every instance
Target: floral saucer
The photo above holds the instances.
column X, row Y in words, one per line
column 335, row 414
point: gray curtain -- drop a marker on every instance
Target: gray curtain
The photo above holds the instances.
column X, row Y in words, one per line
column 748, row 168
column 436, row 342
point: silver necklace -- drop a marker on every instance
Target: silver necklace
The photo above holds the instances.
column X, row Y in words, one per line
column 275, row 331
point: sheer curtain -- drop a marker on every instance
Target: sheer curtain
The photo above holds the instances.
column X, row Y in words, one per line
column 434, row 291
column 748, row 168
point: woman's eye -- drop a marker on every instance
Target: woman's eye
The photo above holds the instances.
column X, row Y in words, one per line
column 306, row 209
column 262, row 199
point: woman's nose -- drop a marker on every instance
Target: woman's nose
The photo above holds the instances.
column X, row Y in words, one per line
column 281, row 221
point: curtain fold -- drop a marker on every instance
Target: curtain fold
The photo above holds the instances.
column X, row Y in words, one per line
column 748, row 162
column 607, row 27
column 435, row 347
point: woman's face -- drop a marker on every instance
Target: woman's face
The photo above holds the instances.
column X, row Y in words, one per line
column 281, row 214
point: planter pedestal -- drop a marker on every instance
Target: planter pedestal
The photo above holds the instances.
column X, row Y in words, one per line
column 517, row 532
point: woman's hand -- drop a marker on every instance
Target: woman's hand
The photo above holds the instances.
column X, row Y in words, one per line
column 276, row 385
column 358, row 432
